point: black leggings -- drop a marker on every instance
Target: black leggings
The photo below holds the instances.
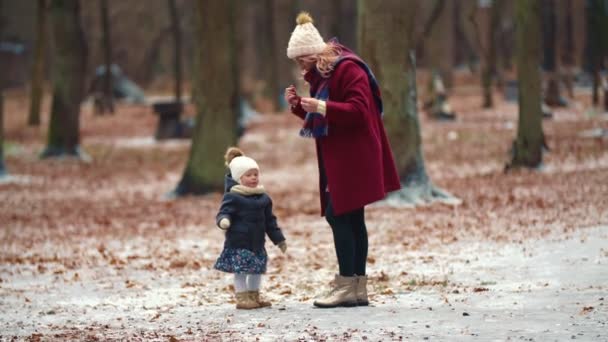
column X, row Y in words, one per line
column 350, row 239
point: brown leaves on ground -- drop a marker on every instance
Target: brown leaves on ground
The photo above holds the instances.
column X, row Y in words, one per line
column 107, row 219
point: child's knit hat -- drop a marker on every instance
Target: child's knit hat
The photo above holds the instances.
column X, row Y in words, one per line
column 239, row 163
column 305, row 39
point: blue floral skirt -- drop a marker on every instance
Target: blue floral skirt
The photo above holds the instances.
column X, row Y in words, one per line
column 240, row 260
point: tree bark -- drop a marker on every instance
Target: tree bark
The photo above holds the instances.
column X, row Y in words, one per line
column 597, row 42
column 551, row 60
column 342, row 27
column 392, row 60
column 216, row 98
column 2, row 168
column 527, row 148
column 177, row 49
column 284, row 23
column 107, row 100
column 440, row 45
column 39, row 63
column 268, row 56
column 566, row 49
column 69, row 65
column 486, row 34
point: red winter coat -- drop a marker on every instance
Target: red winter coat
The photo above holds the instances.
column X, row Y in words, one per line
column 358, row 161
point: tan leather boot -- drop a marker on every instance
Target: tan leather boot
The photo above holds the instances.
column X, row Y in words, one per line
column 344, row 293
column 362, row 299
column 245, row 302
column 255, row 296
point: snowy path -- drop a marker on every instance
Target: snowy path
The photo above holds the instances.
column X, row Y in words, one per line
column 544, row 290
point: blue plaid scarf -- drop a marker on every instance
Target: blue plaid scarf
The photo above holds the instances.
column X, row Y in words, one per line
column 315, row 124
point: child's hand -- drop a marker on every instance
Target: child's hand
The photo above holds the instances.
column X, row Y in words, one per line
column 224, row 223
column 282, row 246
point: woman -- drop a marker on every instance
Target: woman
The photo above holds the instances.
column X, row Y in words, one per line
column 356, row 166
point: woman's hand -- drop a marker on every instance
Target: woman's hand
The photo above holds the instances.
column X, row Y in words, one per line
column 309, row 104
column 291, row 96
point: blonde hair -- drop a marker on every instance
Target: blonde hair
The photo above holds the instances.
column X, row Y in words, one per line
column 327, row 58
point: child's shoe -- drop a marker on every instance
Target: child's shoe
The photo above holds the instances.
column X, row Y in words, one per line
column 245, row 301
column 255, row 295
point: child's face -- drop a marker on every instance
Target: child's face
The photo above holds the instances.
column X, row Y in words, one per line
column 250, row 178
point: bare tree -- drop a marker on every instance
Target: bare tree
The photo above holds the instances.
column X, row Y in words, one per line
column 486, row 32
column 38, row 65
column 177, row 49
column 593, row 48
column 106, row 103
column 268, row 55
column 393, row 62
column 68, row 66
column 597, row 45
column 284, row 12
column 439, row 46
column 550, row 56
column 215, row 95
column 527, row 148
column 2, row 168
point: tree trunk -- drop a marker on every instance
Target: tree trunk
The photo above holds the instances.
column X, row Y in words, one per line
column 38, row 65
column 268, row 56
column 107, row 99
column 2, row 169
column 551, row 65
column 341, row 14
column 566, row 48
column 177, row 50
column 491, row 20
column 69, row 65
column 284, row 22
column 605, row 87
column 394, row 65
column 441, row 44
column 527, row 148
column 216, row 97
column 597, row 43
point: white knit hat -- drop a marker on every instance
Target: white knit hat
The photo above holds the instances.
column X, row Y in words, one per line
column 305, row 39
column 239, row 165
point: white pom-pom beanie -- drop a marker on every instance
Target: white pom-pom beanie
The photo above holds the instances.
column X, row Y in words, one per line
column 305, row 39
column 239, row 165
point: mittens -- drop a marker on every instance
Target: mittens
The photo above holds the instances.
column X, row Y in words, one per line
column 282, row 246
column 224, row 223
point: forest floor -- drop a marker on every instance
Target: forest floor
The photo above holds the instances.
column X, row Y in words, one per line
column 94, row 251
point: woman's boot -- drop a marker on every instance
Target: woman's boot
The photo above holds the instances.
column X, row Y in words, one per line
column 344, row 293
column 362, row 299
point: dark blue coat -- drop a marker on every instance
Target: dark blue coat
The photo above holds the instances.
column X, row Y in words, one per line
column 251, row 218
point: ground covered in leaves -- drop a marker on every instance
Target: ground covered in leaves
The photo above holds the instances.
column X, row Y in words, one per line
column 93, row 250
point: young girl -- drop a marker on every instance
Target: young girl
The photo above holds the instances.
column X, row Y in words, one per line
column 246, row 216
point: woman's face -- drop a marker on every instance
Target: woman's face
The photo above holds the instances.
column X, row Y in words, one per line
column 306, row 62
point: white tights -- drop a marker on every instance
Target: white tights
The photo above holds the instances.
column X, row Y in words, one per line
column 247, row 282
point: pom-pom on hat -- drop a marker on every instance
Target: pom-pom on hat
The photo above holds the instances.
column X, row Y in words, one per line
column 305, row 39
column 239, row 163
